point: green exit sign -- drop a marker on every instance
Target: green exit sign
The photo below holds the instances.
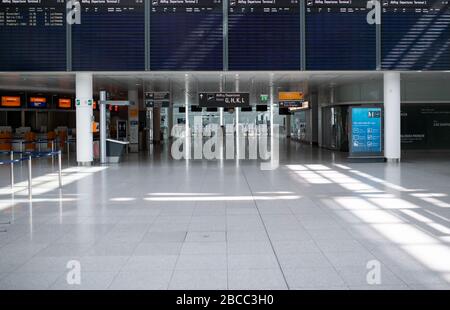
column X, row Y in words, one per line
column 264, row 98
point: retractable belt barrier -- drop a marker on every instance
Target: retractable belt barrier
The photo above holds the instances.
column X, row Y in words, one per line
column 29, row 156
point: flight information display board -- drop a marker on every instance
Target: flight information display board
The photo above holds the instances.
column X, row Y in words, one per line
column 32, row 35
column 186, row 35
column 264, row 35
column 338, row 36
column 111, row 36
column 415, row 35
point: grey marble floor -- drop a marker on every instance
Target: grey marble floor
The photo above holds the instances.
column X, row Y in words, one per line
column 316, row 222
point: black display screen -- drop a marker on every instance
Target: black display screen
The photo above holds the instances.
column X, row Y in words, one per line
column 111, row 36
column 338, row 36
column 261, row 108
column 425, row 126
column 196, row 108
column 32, row 35
column 283, row 111
column 186, row 35
column 264, row 35
column 415, row 35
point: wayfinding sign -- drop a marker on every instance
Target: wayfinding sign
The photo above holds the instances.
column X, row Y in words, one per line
column 159, row 99
column 224, row 100
column 366, row 131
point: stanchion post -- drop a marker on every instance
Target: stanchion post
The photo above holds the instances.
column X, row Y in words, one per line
column 30, row 179
column 53, row 149
column 59, row 169
column 68, row 151
column 21, row 151
column 12, row 169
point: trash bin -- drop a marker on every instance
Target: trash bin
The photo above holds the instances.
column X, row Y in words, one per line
column 115, row 150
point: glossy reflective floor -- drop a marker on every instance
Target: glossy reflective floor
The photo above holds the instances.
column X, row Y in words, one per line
column 316, row 222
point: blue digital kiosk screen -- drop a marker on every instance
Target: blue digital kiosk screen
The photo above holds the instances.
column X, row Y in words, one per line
column 186, row 35
column 33, row 35
column 338, row 36
column 264, row 35
column 366, row 131
column 111, row 36
column 415, row 35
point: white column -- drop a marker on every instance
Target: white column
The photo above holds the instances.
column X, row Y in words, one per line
column 392, row 142
column 84, row 113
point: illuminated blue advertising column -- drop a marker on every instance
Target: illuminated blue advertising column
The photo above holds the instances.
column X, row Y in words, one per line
column 366, row 132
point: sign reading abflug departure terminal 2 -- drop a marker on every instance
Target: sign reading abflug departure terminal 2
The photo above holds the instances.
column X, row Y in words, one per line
column 224, row 100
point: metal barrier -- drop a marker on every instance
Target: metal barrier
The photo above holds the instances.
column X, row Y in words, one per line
column 39, row 142
column 29, row 156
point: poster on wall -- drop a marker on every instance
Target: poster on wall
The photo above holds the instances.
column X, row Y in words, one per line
column 366, row 132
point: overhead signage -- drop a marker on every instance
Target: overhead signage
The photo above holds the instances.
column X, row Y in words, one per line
column 264, row 35
column 263, row 98
column 157, row 99
column 37, row 102
column 366, row 131
column 186, row 35
column 290, row 96
column 224, row 100
column 338, row 36
column 290, row 99
column 404, row 47
column 118, row 42
column 303, row 106
column 11, row 101
column 33, row 35
column 64, row 103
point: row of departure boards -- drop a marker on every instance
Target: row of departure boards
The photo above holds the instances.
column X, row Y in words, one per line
column 189, row 35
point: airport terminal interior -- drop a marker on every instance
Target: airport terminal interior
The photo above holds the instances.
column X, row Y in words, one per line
column 171, row 149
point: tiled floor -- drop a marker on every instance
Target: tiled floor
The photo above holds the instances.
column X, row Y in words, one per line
column 316, row 222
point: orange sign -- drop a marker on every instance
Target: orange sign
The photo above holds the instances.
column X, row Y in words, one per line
column 133, row 113
column 11, row 101
column 64, row 103
column 37, row 102
column 290, row 96
column 38, row 99
column 95, row 127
